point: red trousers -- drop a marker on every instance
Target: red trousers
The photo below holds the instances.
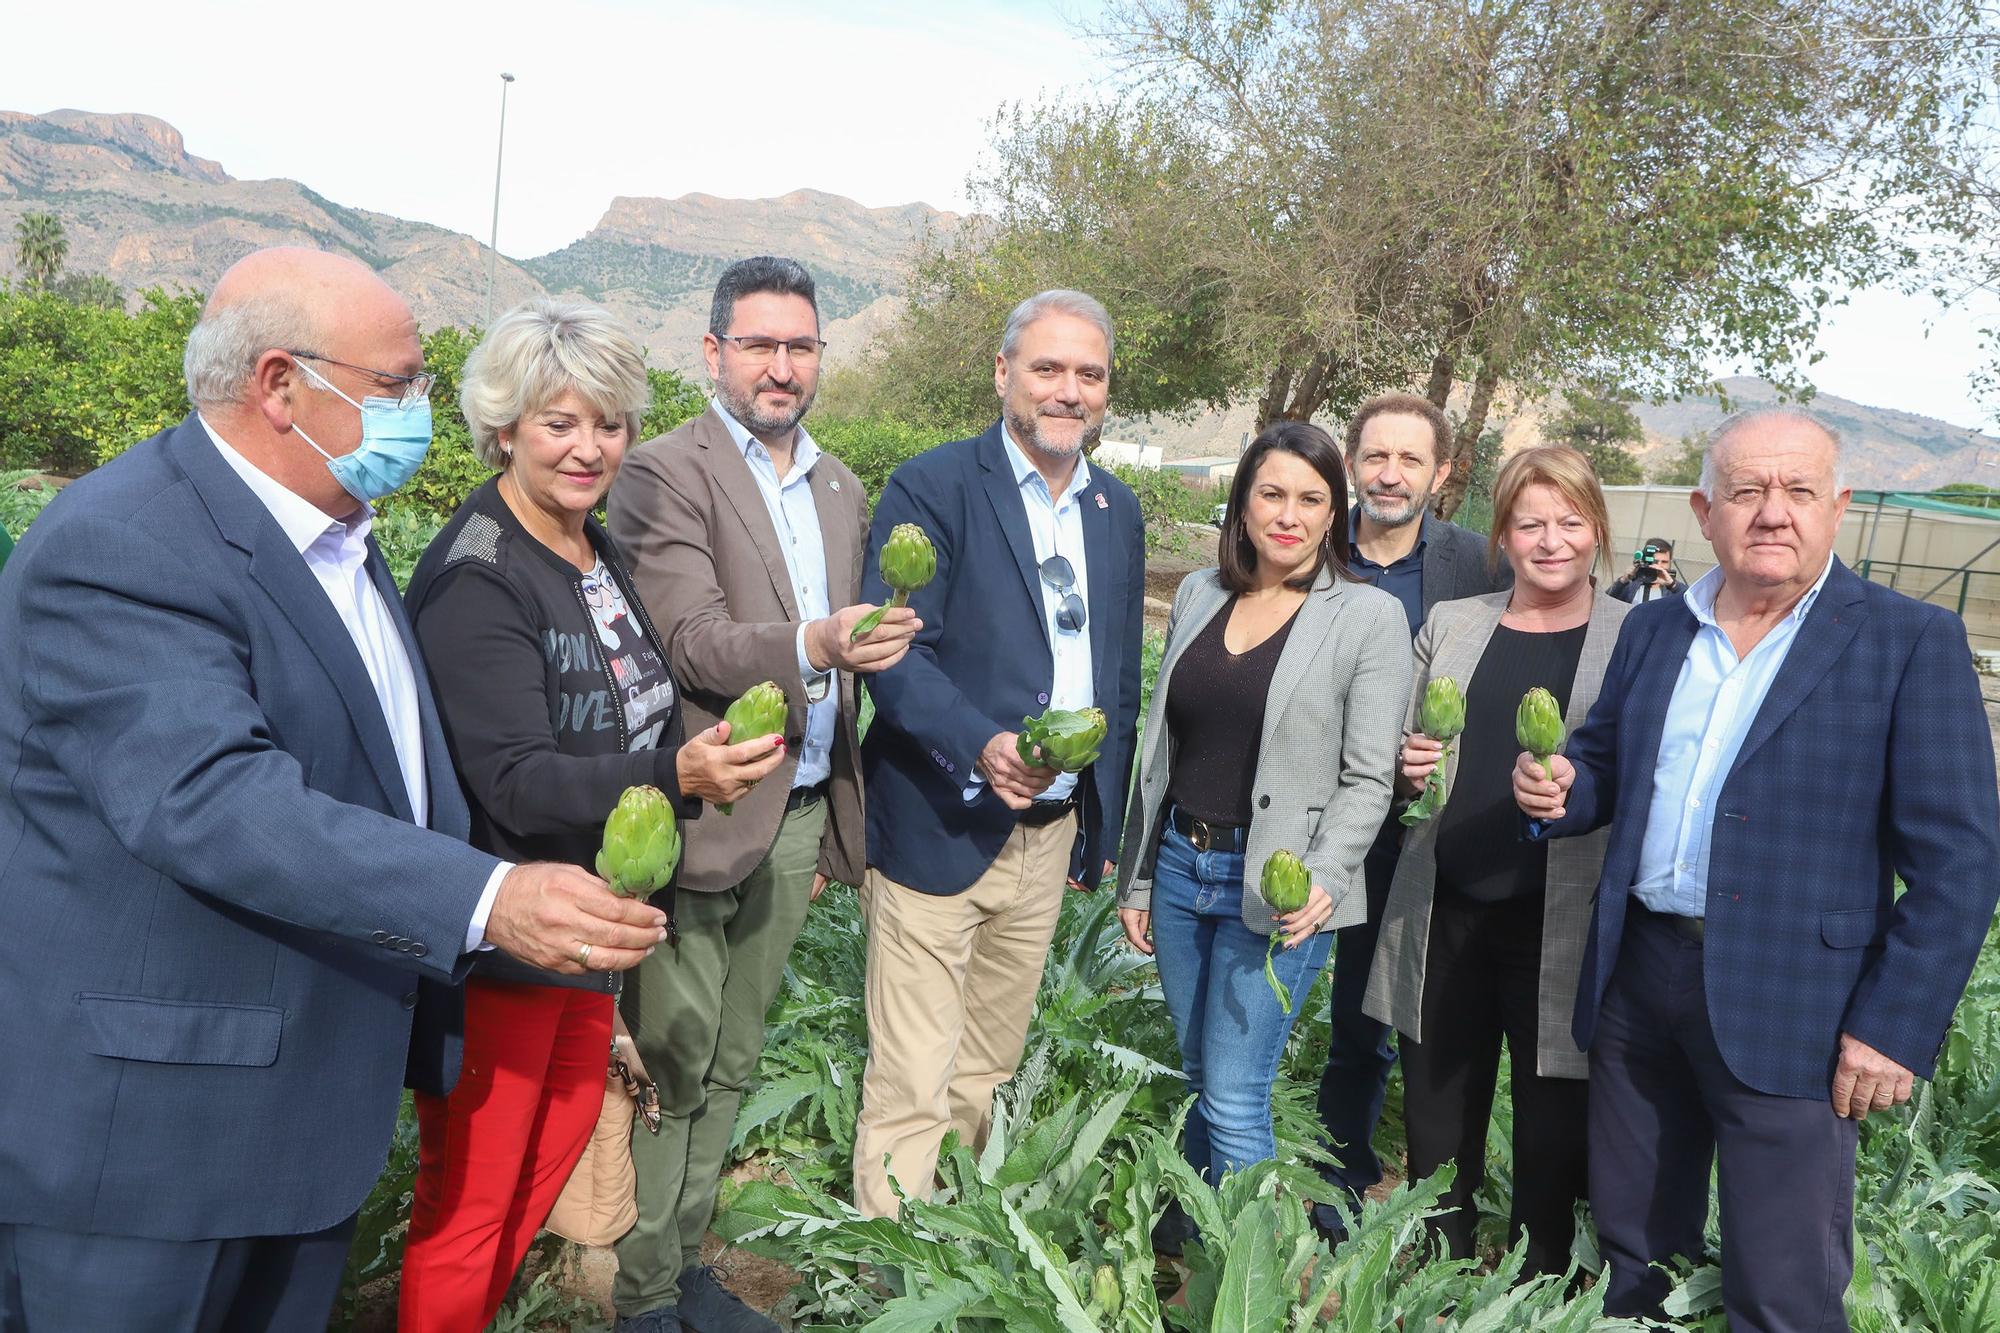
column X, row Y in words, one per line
column 493, row 1156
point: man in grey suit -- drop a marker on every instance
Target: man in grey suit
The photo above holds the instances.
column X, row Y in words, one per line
column 232, row 857
column 1398, row 457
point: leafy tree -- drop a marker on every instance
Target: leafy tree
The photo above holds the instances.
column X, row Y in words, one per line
column 1311, row 200
column 1599, row 428
column 90, row 289
column 1683, row 466
column 40, row 248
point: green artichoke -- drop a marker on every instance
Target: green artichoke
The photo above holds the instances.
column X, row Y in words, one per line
column 1287, row 886
column 908, row 561
column 1069, row 740
column 1441, row 716
column 1106, row 1298
column 758, row 712
column 1538, row 725
column 642, row 843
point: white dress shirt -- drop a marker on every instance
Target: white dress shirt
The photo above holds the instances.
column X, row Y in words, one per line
column 795, row 516
column 337, row 553
column 1715, row 700
column 1055, row 525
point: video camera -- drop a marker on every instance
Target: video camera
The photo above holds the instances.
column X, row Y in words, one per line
column 1643, row 568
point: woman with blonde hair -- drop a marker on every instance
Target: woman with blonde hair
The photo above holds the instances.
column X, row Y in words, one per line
column 555, row 695
column 1483, row 935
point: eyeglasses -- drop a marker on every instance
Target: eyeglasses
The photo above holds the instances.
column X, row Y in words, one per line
column 408, row 388
column 1057, row 572
column 758, row 348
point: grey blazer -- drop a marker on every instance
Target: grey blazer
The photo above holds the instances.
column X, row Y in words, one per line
column 1327, row 752
column 1451, row 644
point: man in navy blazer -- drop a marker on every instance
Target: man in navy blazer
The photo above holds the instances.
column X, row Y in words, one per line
column 232, row 860
column 1037, row 603
column 1772, row 751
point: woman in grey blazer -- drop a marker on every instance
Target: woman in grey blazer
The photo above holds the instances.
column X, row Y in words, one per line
column 1273, row 725
column 1483, row 933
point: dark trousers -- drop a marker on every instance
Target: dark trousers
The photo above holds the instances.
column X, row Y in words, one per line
column 67, row 1282
column 1482, row 978
column 1663, row 1108
column 1359, row 1056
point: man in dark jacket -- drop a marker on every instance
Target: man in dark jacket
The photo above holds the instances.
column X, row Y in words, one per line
column 1652, row 575
column 1037, row 603
column 1398, row 456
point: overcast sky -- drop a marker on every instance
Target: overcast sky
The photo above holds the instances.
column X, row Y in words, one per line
column 395, row 107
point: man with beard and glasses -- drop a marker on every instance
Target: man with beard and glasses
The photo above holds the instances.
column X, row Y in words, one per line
column 1398, row 456
column 746, row 543
column 1036, row 604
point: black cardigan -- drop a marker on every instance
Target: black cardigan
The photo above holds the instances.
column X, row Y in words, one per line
column 514, row 661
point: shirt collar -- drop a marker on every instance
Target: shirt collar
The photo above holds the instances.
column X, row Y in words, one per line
column 1024, row 467
column 303, row 522
column 805, row 450
column 1700, row 596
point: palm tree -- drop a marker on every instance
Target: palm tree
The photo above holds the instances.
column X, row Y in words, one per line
column 40, row 247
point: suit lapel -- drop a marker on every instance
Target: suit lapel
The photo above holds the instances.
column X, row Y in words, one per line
column 837, row 535
column 1005, row 495
column 1201, row 608
column 1829, row 627
column 1440, row 566
column 1653, row 688
column 1598, row 641
column 746, row 498
column 1315, row 619
column 1103, row 571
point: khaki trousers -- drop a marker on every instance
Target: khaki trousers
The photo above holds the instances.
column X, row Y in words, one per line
column 951, row 986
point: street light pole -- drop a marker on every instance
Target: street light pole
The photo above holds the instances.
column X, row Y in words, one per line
column 493, row 243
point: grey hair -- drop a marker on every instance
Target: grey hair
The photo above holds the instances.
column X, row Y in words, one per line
column 1751, row 416
column 1058, row 301
column 761, row 273
column 224, row 347
column 539, row 351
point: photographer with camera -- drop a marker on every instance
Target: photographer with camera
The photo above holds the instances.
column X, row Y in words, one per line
column 1652, row 575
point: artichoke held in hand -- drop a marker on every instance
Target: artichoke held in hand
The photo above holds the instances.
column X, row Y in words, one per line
column 1441, row 717
column 758, row 712
column 1538, row 725
column 642, row 843
column 1287, row 886
column 1069, row 740
column 908, row 562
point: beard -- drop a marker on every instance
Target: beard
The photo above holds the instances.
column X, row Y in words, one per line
column 1393, row 507
column 743, row 406
column 1027, row 431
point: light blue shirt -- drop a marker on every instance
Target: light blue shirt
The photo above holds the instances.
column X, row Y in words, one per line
column 1715, row 700
column 1055, row 522
column 796, row 519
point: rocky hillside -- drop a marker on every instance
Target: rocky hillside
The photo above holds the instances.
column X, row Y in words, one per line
column 139, row 208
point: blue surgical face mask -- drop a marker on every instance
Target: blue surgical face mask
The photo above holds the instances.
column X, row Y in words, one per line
column 395, row 436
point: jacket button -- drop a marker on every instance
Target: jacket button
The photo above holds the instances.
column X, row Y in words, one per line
column 1263, row 803
column 1042, row 698
column 420, row 950
column 380, row 937
column 410, row 1000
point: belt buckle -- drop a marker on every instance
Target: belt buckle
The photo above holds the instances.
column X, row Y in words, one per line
column 1200, row 834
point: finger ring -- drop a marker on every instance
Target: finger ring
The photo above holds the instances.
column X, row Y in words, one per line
column 583, row 954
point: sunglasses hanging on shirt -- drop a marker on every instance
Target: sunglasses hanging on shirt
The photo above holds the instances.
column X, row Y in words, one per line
column 1059, row 574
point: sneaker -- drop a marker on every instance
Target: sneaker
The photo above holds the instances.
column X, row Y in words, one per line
column 1173, row 1231
column 1330, row 1225
column 666, row 1319
column 709, row 1307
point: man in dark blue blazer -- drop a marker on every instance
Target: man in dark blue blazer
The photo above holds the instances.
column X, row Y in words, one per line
column 232, row 860
column 1772, row 751
column 1037, row 603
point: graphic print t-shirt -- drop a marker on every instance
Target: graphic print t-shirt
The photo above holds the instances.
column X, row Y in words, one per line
column 645, row 688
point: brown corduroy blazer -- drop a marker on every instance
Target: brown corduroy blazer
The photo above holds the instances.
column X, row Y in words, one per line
column 708, row 566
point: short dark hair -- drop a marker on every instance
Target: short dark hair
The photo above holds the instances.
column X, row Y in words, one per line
column 1236, row 557
column 1659, row 543
column 1402, row 404
column 747, row 277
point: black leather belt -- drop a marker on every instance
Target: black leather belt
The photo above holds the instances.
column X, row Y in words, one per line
column 1689, row 928
column 1205, row 836
column 802, row 797
column 1043, row 813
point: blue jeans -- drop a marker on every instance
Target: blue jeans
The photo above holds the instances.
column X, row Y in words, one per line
column 1232, row 1032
